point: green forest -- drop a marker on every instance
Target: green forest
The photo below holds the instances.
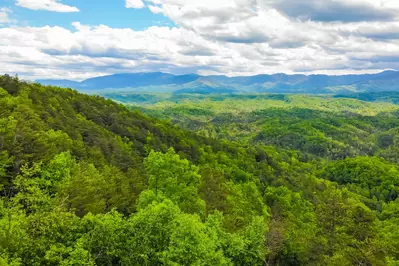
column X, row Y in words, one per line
column 162, row 179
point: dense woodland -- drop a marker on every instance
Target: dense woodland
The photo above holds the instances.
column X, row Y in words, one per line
column 317, row 126
column 87, row 181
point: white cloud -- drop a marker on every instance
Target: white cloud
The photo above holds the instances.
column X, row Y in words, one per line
column 97, row 49
column 4, row 18
column 134, row 4
column 338, row 10
column 264, row 21
column 155, row 9
column 233, row 37
column 49, row 5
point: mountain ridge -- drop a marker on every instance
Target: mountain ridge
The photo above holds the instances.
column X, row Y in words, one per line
column 277, row 83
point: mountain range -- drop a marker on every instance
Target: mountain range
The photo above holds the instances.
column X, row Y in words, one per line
column 276, row 83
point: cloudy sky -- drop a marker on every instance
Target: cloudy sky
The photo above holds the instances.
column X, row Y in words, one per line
column 77, row 39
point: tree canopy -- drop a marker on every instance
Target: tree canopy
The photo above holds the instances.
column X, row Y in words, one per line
column 87, row 181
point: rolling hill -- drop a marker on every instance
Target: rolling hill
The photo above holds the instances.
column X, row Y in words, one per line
column 87, row 181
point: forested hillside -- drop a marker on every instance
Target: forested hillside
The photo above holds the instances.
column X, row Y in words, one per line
column 388, row 96
column 87, row 181
column 324, row 127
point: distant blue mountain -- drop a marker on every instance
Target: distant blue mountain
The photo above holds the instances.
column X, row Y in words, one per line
column 60, row 83
column 277, row 83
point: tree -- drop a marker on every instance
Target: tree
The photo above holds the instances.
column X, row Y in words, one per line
column 176, row 179
column 292, row 227
column 347, row 227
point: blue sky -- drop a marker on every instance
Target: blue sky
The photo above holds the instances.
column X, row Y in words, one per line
column 112, row 13
column 78, row 39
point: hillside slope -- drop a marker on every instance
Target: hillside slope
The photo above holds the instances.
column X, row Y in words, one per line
column 86, row 181
column 323, row 126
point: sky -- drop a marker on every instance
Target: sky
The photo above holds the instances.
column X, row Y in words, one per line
column 79, row 39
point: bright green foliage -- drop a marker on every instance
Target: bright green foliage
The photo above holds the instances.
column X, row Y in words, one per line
column 389, row 232
column 321, row 126
column 5, row 163
column 292, row 229
column 371, row 177
column 86, row 181
column 243, row 204
column 176, row 179
column 97, row 191
column 348, row 230
column 161, row 234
